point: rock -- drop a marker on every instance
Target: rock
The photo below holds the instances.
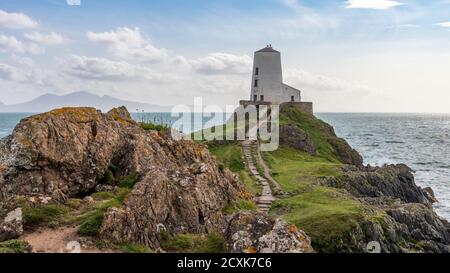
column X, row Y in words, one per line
column 399, row 213
column 11, row 227
column 62, row 153
column 344, row 152
column 181, row 190
column 429, row 194
column 396, row 181
column 256, row 232
column 65, row 153
column 294, row 137
column 121, row 114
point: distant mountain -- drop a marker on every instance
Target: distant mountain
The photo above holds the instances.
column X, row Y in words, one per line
column 48, row 102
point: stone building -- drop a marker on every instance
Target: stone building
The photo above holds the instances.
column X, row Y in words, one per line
column 267, row 82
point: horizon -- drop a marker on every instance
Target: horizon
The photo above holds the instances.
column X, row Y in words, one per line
column 190, row 106
column 347, row 56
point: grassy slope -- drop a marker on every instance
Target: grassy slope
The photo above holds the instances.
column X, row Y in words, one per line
column 318, row 130
column 326, row 214
column 230, row 155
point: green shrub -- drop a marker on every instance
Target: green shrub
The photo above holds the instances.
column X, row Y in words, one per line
column 179, row 242
column 14, row 247
column 91, row 226
column 101, row 196
column 240, row 205
column 129, row 181
column 91, row 220
column 134, row 248
column 213, row 243
column 73, row 203
column 43, row 215
column 154, row 127
column 193, row 243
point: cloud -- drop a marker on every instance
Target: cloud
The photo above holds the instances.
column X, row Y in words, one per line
column 308, row 17
column 129, row 44
column 315, row 82
column 52, row 38
column 16, row 20
column 11, row 73
column 222, row 63
column 104, row 69
column 443, row 24
column 11, row 45
column 372, row 4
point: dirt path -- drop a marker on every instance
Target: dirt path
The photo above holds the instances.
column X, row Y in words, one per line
column 266, row 199
column 59, row 240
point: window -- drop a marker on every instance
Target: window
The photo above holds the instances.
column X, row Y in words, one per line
column 257, row 71
column 255, row 97
column 262, row 97
column 292, row 98
column 256, row 83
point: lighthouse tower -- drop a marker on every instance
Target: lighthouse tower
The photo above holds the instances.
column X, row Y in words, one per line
column 267, row 79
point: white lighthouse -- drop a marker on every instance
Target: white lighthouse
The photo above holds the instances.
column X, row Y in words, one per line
column 267, row 79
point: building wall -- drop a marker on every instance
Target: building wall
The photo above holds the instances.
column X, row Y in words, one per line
column 289, row 92
column 270, row 77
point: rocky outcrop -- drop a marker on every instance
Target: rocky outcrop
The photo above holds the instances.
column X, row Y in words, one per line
column 294, row 137
column 250, row 233
column 11, row 227
column 181, row 190
column 71, row 152
column 60, row 154
column 306, row 133
column 399, row 214
column 395, row 181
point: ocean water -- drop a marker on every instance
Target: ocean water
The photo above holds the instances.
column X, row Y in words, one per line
column 421, row 141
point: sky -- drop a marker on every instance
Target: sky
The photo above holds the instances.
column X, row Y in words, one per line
column 345, row 55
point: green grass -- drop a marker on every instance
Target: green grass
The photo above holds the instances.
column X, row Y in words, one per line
column 129, row 181
column 213, row 243
column 250, row 183
column 230, row 155
column 91, row 219
column 325, row 214
column 13, row 247
column 153, row 127
column 134, row 248
column 192, row 243
column 48, row 214
column 240, row 205
column 295, row 171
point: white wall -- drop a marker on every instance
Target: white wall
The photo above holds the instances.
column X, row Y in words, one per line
column 270, row 79
column 270, row 76
column 289, row 92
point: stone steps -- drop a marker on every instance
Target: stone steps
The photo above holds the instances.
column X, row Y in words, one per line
column 266, row 199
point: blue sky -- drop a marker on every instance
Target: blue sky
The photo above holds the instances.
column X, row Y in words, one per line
column 357, row 55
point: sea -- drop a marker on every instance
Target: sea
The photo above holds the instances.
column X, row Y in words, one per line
column 422, row 141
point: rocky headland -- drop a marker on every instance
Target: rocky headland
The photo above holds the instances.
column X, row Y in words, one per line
column 116, row 185
column 126, row 186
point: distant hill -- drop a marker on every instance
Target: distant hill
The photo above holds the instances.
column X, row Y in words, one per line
column 48, row 102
